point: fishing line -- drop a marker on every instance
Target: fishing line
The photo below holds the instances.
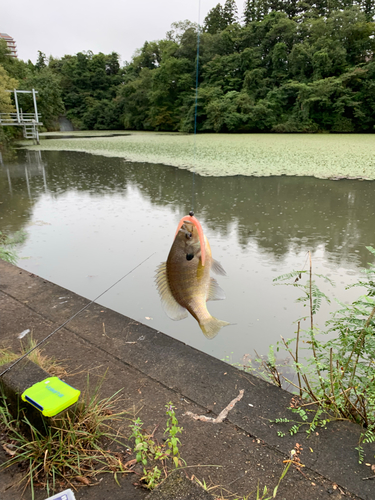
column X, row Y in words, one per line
column 74, row 315
column 196, row 109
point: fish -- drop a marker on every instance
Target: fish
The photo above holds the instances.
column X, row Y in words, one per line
column 184, row 282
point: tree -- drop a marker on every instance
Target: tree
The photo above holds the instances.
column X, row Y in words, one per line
column 112, row 65
column 41, row 61
column 135, row 99
column 172, row 83
column 251, row 12
column 6, row 83
column 295, row 65
column 224, row 72
column 6, row 106
column 368, row 7
column 148, row 57
column 86, row 80
column 179, row 28
column 279, row 61
column 230, row 12
column 103, row 115
column 50, row 103
column 214, row 22
column 13, row 66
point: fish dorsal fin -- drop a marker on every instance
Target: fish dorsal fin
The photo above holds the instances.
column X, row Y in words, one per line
column 218, row 268
column 215, row 292
column 171, row 307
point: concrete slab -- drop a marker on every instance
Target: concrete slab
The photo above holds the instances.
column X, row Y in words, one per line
column 178, row 487
column 155, row 369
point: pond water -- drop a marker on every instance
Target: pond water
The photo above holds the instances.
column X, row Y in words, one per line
column 91, row 219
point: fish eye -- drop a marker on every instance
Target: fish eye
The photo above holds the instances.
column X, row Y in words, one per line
column 189, row 235
column 189, row 256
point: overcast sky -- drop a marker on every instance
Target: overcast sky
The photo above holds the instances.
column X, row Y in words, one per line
column 70, row 26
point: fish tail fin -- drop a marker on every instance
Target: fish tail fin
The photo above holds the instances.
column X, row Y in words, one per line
column 212, row 326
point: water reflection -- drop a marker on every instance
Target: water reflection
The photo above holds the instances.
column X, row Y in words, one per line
column 277, row 212
column 88, row 215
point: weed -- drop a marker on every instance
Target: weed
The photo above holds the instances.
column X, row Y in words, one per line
column 259, row 495
column 265, row 494
column 50, row 365
column 7, row 245
column 171, row 431
column 304, row 421
column 151, row 477
column 7, row 356
column 146, row 448
column 339, row 379
column 265, row 367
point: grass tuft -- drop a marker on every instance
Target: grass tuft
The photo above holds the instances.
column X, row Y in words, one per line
column 74, row 448
column 47, row 363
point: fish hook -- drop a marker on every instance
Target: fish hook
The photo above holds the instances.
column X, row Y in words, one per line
column 190, row 218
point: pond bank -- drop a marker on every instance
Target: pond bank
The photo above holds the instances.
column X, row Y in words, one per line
column 153, row 369
column 325, row 156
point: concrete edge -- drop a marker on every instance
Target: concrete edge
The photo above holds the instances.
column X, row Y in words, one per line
column 199, row 378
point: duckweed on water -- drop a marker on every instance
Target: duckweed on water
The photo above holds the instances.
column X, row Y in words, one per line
column 320, row 155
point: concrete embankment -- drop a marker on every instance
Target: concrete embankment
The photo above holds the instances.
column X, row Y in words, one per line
column 153, row 369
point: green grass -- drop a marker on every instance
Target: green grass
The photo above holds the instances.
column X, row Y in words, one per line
column 75, row 447
column 7, row 245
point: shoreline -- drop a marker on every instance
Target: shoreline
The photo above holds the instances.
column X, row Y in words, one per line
column 153, row 368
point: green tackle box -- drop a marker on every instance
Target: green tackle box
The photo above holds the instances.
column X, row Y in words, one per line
column 51, row 396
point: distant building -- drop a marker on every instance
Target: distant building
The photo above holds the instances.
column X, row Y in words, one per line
column 11, row 44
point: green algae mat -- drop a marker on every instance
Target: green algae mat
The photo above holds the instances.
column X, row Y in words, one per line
column 323, row 156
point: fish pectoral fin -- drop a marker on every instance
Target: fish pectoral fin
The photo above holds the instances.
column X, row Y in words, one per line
column 218, row 268
column 171, row 307
column 212, row 327
column 215, row 292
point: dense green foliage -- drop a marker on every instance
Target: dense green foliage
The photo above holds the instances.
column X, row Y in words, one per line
column 88, row 85
column 285, row 66
column 290, row 67
column 275, row 73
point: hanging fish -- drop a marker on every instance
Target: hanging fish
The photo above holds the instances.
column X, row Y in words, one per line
column 184, row 281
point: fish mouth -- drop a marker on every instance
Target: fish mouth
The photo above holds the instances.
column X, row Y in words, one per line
column 192, row 220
